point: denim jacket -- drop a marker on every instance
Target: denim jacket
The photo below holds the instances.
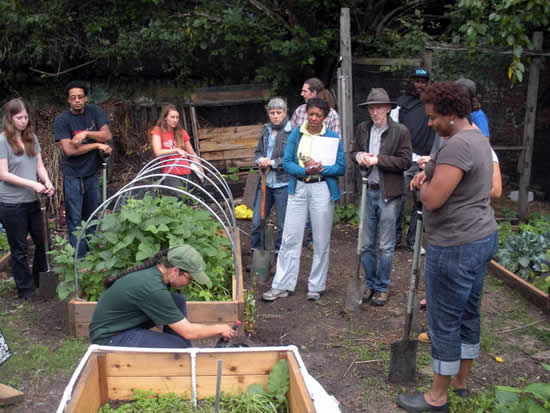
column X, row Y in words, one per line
column 281, row 176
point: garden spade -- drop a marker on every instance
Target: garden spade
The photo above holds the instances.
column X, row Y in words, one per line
column 47, row 280
column 403, row 353
column 261, row 257
column 356, row 286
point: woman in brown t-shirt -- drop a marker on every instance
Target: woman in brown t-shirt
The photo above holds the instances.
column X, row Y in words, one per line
column 462, row 235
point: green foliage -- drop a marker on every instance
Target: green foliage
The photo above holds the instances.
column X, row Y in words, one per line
column 4, row 246
column 346, row 214
column 6, row 286
column 526, row 251
column 232, row 174
column 249, row 316
column 484, row 402
column 526, row 254
column 500, row 23
column 135, row 234
column 256, row 400
column 533, row 398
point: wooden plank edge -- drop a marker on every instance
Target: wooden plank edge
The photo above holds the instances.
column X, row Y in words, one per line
column 526, row 289
column 9, row 395
column 298, row 396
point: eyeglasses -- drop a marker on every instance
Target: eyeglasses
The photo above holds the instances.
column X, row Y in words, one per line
column 75, row 97
column 186, row 275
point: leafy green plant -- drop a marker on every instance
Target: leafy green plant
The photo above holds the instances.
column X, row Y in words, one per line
column 505, row 229
column 533, row 398
column 249, row 316
column 526, row 254
column 4, row 246
column 232, row 174
column 136, row 233
column 346, row 214
column 484, row 402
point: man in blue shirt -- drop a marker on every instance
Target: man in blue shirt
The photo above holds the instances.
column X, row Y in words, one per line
column 83, row 132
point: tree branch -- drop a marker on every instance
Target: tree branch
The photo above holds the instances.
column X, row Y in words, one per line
column 269, row 13
column 47, row 74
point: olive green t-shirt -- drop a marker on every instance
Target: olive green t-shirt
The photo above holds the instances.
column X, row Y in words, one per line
column 134, row 299
column 467, row 215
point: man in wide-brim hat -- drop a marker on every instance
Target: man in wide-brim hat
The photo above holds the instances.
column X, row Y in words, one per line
column 382, row 148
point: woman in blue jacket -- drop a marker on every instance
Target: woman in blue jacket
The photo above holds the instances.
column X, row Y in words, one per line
column 312, row 189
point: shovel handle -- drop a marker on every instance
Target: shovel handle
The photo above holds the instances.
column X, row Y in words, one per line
column 413, row 281
column 263, row 174
column 44, row 220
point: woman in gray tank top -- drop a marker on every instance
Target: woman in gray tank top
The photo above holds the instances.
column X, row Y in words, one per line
column 23, row 178
column 462, row 235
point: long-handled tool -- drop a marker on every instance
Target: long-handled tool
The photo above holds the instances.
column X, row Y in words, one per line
column 47, row 280
column 403, row 353
column 356, row 286
column 261, row 257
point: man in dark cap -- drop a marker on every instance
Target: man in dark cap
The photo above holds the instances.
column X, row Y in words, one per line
column 382, row 149
column 410, row 112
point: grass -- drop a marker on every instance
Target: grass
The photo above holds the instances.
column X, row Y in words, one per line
column 484, row 402
column 32, row 360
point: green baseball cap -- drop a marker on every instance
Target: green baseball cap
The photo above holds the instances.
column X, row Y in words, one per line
column 187, row 258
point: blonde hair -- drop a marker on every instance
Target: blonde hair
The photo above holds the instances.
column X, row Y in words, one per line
column 12, row 108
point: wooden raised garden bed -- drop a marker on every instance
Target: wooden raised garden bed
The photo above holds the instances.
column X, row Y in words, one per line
column 528, row 290
column 213, row 312
column 108, row 374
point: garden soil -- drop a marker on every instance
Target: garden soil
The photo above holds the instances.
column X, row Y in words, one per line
column 347, row 353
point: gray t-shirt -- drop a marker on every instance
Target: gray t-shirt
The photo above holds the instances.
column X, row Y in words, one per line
column 22, row 166
column 467, row 215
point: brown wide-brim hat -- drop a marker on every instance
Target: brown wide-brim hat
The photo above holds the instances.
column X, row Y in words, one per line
column 378, row 96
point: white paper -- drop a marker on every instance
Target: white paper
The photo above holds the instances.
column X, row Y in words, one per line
column 324, row 150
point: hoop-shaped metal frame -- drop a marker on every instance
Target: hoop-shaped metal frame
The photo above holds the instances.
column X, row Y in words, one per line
column 230, row 233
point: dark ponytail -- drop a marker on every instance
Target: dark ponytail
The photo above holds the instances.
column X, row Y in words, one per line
column 159, row 257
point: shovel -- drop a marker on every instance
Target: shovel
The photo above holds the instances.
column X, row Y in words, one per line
column 261, row 257
column 356, row 286
column 403, row 353
column 47, row 280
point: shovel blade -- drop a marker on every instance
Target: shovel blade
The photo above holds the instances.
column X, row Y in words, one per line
column 403, row 361
column 354, row 294
column 261, row 260
column 48, row 285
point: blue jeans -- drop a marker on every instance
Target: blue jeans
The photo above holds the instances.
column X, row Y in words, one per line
column 81, row 199
column 19, row 221
column 379, row 224
column 454, row 283
column 141, row 336
column 277, row 196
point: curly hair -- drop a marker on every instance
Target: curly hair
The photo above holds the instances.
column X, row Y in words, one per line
column 448, row 98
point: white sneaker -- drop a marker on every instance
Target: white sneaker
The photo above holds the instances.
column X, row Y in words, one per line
column 313, row 296
column 273, row 294
column 422, row 251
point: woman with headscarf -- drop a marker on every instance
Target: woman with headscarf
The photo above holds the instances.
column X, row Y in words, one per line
column 462, row 233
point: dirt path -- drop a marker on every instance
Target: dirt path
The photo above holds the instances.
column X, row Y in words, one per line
column 349, row 356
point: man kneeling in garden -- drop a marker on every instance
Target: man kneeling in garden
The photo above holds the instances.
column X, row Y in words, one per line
column 139, row 299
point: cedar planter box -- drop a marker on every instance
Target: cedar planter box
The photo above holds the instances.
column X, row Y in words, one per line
column 526, row 289
column 109, row 374
column 207, row 312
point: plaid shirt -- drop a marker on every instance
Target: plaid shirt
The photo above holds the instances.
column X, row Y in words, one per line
column 332, row 121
